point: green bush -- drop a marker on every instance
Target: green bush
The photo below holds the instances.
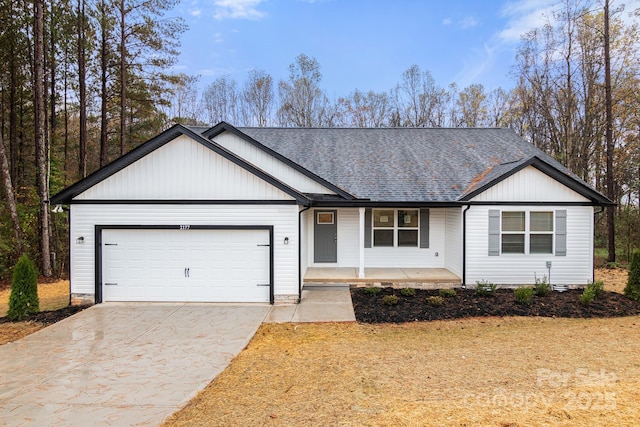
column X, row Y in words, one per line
column 408, row 292
column 587, row 296
column 542, row 287
column 598, row 288
column 485, row 288
column 524, row 295
column 390, row 300
column 632, row 290
column 372, row 291
column 447, row 293
column 23, row 300
column 435, row 301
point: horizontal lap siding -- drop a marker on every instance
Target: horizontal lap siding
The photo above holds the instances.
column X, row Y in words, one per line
column 574, row 268
column 453, row 242
column 284, row 219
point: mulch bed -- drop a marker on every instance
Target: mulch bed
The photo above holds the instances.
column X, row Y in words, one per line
column 466, row 303
column 49, row 317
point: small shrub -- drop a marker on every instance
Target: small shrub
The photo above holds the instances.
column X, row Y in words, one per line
column 435, row 301
column 23, row 300
column 447, row 293
column 542, row 287
column 408, row 292
column 390, row 300
column 372, row 291
column 632, row 290
column 598, row 288
column 587, row 296
column 485, row 288
column 612, row 265
column 524, row 295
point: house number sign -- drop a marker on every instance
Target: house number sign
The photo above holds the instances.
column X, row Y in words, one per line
column 185, row 227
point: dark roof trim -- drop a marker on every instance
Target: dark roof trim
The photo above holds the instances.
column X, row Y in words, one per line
column 551, row 171
column 179, row 202
column 382, row 204
column 226, row 127
column 66, row 195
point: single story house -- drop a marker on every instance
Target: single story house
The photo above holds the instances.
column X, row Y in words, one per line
column 240, row 214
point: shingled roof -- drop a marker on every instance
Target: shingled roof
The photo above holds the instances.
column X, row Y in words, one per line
column 412, row 164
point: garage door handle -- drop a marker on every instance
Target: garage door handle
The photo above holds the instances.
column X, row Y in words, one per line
column 186, row 272
column 110, row 284
column 263, row 245
column 263, row 284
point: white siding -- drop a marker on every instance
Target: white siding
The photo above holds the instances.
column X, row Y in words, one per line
column 529, row 185
column 284, row 218
column 348, row 237
column 574, row 268
column 304, row 241
column 183, row 169
column 453, row 241
column 270, row 164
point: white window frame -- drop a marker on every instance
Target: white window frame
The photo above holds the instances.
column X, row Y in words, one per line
column 395, row 227
column 527, row 233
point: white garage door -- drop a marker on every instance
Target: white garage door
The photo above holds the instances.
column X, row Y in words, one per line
column 185, row 265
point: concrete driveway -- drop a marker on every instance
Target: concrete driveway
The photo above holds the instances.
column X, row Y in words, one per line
column 121, row 364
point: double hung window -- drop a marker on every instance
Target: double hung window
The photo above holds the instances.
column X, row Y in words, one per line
column 396, row 228
column 527, row 232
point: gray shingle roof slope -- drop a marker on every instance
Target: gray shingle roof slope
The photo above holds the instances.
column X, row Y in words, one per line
column 403, row 164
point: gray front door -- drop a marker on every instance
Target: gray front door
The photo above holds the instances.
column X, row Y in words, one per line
column 325, row 241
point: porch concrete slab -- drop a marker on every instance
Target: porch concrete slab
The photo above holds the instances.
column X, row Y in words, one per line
column 327, row 273
column 326, row 276
column 121, row 364
column 318, row 304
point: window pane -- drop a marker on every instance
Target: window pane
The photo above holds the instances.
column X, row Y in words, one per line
column 513, row 243
column 382, row 237
column 383, row 218
column 541, row 243
column 541, row 221
column 408, row 238
column 512, row 221
column 408, row 218
column 325, row 217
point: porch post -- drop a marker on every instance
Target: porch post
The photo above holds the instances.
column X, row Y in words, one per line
column 361, row 245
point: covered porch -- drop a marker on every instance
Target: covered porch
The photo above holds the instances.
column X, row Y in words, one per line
column 422, row 278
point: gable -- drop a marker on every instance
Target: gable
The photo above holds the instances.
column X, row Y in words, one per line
column 529, row 184
column 183, row 169
column 270, row 164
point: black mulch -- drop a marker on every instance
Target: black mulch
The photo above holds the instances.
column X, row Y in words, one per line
column 371, row 308
column 49, row 317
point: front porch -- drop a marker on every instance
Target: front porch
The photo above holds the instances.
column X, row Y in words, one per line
column 421, row 278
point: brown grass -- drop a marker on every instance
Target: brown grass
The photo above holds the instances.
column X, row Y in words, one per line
column 52, row 296
column 489, row 371
column 615, row 279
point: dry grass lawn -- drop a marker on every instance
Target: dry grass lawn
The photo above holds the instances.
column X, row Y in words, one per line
column 52, row 296
column 470, row 372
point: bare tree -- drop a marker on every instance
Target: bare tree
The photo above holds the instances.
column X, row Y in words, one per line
column 258, row 98
column 221, row 101
column 369, row 109
column 472, row 106
column 611, row 229
column 184, row 107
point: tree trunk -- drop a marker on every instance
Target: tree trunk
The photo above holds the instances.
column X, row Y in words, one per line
column 611, row 229
column 123, row 79
column 11, row 198
column 104, row 63
column 42, row 175
column 82, row 88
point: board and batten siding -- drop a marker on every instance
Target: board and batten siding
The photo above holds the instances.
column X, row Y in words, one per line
column 283, row 218
column 527, row 185
column 453, row 241
column 349, row 235
column 183, row 169
column 576, row 268
column 270, row 164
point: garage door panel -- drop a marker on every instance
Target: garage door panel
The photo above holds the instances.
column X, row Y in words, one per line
column 186, row 265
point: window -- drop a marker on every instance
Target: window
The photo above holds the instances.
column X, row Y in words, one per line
column 325, row 218
column 532, row 231
column 395, row 227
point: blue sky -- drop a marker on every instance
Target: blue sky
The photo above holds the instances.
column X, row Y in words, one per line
column 360, row 44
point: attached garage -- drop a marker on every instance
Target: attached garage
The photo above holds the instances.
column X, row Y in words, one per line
column 185, row 264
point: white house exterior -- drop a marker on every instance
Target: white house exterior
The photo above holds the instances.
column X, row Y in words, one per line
column 238, row 215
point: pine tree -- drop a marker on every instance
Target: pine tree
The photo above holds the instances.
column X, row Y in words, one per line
column 23, row 300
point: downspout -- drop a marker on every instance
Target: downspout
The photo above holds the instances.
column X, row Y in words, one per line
column 300, row 251
column 593, row 264
column 464, row 246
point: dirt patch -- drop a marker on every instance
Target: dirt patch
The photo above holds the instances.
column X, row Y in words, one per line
column 467, row 303
column 615, row 279
column 482, row 371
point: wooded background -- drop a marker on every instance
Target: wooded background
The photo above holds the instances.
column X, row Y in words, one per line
column 84, row 81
